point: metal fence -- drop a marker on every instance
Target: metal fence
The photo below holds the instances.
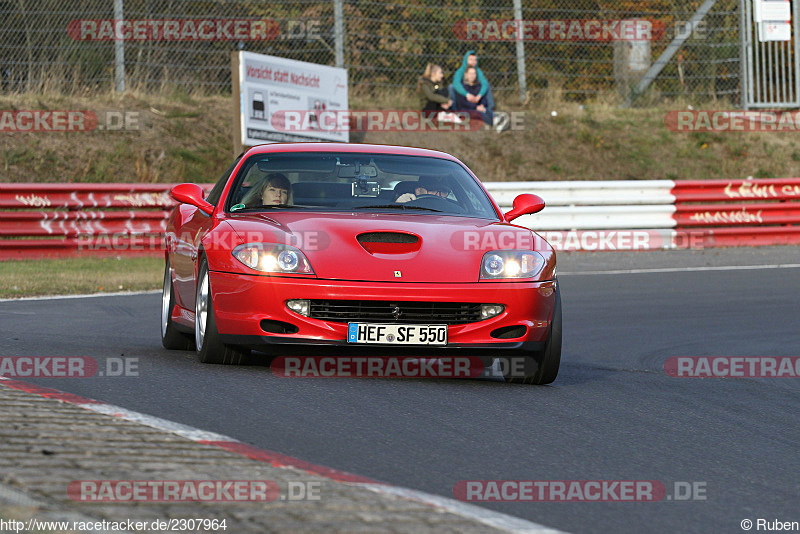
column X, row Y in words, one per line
column 385, row 45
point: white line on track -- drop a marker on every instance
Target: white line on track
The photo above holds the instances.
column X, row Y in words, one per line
column 684, row 269
column 86, row 296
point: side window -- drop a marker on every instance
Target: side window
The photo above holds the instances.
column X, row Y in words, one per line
column 216, row 191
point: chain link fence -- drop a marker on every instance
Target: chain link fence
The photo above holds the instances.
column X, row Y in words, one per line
column 384, row 44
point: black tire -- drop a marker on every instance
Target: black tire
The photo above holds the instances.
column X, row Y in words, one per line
column 210, row 349
column 537, row 368
column 171, row 338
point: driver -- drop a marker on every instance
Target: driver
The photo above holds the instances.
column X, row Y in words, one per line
column 427, row 185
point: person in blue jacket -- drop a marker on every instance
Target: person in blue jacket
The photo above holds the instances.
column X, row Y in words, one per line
column 473, row 87
column 457, row 87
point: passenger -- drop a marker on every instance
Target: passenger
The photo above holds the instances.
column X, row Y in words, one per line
column 274, row 190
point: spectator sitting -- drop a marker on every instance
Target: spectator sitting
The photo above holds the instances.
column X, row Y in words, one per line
column 473, row 88
column 431, row 90
column 457, row 87
column 433, row 94
column 500, row 120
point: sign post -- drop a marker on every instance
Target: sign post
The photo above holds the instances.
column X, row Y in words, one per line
column 774, row 20
column 268, row 91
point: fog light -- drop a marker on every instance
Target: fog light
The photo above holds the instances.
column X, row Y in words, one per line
column 299, row 306
column 491, row 310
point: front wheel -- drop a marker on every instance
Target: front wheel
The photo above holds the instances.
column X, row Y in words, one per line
column 171, row 338
column 210, row 349
column 540, row 367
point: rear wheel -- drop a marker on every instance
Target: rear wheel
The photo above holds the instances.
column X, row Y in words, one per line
column 210, row 349
column 171, row 338
column 539, row 367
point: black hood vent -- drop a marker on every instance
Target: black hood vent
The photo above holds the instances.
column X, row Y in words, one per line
column 387, row 237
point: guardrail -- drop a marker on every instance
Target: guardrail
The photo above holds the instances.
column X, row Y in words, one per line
column 67, row 219
column 39, row 220
column 652, row 214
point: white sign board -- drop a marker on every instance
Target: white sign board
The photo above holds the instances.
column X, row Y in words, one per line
column 270, row 85
column 775, row 31
column 772, row 10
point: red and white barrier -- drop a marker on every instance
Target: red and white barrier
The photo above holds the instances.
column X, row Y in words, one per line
column 68, row 219
column 38, row 220
column 655, row 214
column 733, row 190
column 79, row 196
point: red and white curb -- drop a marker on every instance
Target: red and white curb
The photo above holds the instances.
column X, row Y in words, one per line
column 486, row 517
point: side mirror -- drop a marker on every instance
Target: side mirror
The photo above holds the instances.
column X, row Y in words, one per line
column 525, row 204
column 191, row 194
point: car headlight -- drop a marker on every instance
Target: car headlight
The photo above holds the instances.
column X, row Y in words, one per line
column 499, row 264
column 273, row 258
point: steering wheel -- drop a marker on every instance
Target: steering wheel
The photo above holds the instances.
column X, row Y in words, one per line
column 452, row 204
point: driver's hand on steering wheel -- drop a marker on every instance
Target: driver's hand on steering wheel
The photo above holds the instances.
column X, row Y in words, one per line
column 406, row 197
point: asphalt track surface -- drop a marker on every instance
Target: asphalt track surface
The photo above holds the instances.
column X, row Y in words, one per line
column 612, row 414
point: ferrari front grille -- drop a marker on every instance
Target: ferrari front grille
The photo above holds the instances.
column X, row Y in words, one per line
column 401, row 312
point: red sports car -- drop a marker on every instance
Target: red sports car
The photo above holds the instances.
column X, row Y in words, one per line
column 364, row 246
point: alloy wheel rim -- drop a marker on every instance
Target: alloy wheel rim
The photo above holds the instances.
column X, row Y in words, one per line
column 201, row 312
column 165, row 297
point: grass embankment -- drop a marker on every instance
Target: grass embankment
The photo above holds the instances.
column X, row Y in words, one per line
column 188, row 138
column 79, row 275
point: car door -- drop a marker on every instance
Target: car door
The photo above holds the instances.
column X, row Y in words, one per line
column 192, row 226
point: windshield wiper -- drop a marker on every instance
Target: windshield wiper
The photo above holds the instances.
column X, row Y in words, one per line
column 398, row 207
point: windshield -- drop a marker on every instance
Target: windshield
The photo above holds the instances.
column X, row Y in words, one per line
column 357, row 182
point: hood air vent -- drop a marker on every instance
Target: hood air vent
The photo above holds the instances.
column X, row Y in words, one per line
column 389, row 242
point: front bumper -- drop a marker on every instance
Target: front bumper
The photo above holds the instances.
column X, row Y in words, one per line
column 241, row 302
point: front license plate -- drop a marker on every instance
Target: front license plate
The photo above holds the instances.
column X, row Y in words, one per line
column 397, row 334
